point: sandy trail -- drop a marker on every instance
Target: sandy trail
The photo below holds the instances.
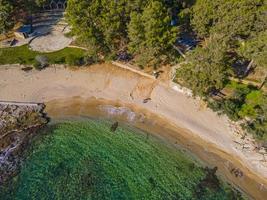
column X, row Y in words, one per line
column 112, row 83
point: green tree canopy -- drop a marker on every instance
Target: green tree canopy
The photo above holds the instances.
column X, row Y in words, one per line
column 242, row 25
column 151, row 33
column 102, row 23
column 232, row 18
column 142, row 27
column 206, row 68
column 85, row 20
column 6, row 16
column 255, row 49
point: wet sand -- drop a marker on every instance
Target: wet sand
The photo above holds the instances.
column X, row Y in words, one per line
column 176, row 116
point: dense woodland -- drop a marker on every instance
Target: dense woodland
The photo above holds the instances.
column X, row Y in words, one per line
column 139, row 29
column 12, row 11
column 231, row 35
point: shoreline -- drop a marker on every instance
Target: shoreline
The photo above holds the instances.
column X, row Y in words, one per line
column 204, row 152
column 126, row 88
column 18, row 124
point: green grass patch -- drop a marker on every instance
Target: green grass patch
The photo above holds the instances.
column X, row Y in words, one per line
column 23, row 55
column 85, row 160
column 235, row 85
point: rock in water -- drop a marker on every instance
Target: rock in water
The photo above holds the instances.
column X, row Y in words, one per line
column 114, row 126
column 146, row 100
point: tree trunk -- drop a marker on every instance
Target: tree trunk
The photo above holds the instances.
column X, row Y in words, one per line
column 248, row 67
column 263, row 82
column 179, row 51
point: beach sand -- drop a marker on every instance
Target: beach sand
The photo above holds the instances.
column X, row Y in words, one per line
column 180, row 118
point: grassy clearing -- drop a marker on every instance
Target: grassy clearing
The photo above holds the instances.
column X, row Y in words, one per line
column 85, row 160
column 23, row 55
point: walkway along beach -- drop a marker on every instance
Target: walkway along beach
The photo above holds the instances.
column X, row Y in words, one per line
column 170, row 114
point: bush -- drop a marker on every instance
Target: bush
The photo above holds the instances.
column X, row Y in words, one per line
column 91, row 59
column 258, row 128
column 37, row 65
column 245, row 103
column 230, row 107
column 41, row 62
column 74, row 60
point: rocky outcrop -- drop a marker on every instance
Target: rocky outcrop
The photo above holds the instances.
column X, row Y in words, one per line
column 18, row 124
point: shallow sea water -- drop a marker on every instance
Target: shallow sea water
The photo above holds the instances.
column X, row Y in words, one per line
column 85, row 160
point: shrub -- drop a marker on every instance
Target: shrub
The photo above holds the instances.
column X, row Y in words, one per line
column 246, row 103
column 41, row 62
column 91, row 59
column 37, row 65
column 258, row 128
column 74, row 60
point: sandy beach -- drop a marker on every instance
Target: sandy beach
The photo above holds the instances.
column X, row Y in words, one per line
column 207, row 134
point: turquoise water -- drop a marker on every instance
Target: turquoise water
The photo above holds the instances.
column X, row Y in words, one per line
column 85, row 160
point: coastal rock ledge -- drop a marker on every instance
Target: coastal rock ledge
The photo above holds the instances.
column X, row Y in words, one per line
column 18, row 124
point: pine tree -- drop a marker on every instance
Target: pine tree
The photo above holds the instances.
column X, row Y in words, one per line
column 232, row 18
column 6, row 16
column 151, row 34
column 206, row 68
